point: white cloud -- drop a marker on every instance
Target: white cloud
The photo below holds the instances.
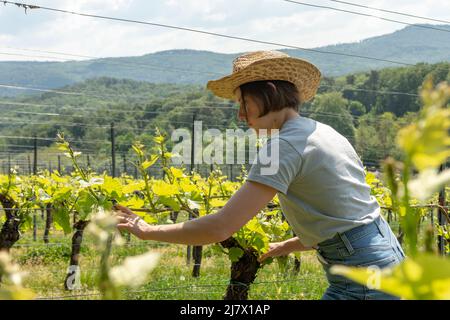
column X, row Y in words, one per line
column 268, row 20
column 97, row 5
column 4, row 38
column 216, row 17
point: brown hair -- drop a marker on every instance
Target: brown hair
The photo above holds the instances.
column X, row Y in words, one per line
column 272, row 95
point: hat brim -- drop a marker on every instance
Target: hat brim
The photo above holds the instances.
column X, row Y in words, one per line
column 304, row 75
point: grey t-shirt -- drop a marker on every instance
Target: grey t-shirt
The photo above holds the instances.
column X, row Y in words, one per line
column 320, row 180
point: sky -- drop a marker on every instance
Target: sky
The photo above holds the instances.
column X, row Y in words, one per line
column 268, row 20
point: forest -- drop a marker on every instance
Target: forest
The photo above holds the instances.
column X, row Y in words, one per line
column 368, row 108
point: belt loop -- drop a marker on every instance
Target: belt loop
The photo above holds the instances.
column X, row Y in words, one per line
column 378, row 222
column 347, row 243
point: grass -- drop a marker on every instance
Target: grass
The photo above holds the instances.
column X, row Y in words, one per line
column 46, row 266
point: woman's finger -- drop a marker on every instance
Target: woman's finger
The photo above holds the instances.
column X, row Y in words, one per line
column 121, row 214
column 123, row 209
column 264, row 257
column 123, row 226
column 122, row 219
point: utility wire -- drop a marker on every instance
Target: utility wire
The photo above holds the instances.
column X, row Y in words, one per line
column 211, row 106
column 9, row 121
column 84, row 94
column 132, row 123
column 28, row 56
column 128, row 122
column 45, row 90
column 175, row 70
column 76, row 108
column 52, row 139
column 119, row 125
column 390, row 11
column 384, row 92
column 32, row 147
column 367, row 15
column 106, row 60
column 77, row 93
column 205, row 32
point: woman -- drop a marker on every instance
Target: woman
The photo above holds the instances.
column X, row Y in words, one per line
column 319, row 179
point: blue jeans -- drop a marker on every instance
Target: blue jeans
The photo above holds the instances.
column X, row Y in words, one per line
column 373, row 245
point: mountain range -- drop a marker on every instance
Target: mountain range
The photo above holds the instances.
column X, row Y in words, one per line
column 409, row 45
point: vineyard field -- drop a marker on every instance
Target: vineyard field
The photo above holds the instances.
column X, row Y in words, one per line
column 45, row 265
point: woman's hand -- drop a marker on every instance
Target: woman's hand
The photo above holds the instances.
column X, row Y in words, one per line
column 211, row 228
column 278, row 249
column 130, row 222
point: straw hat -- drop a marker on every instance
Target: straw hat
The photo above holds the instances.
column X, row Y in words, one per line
column 268, row 65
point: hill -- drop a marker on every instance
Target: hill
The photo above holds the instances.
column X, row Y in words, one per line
column 410, row 45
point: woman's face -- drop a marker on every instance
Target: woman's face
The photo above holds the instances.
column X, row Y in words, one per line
column 253, row 111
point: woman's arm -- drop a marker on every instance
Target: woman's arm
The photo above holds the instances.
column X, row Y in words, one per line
column 213, row 228
column 283, row 248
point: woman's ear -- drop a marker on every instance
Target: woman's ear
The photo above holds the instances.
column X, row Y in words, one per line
column 237, row 95
column 272, row 85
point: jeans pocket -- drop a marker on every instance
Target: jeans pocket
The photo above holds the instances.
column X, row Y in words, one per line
column 330, row 257
column 321, row 259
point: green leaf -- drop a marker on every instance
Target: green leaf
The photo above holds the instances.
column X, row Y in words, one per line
column 61, row 218
column 159, row 139
column 427, row 142
column 187, row 186
column 64, row 146
column 112, row 186
column 235, row 254
column 138, row 150
column 134, row 202
column 176, row 172
column 217, row 248
column 196, row 196
column 424, row 277
column 162, row 188
column 85, row 204
column 171, row 202
column 254, row 226
column 217, row 203
column 259, row 243
column 27, row 222
column 62, row 194
column 150, row 219
column 105, row 203
column 148, row 163
column 135, row 186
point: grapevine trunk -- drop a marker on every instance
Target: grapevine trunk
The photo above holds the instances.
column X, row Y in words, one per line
column 77, row 239
column 243, row 272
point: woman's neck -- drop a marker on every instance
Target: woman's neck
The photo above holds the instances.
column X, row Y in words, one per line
column 283, row 116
